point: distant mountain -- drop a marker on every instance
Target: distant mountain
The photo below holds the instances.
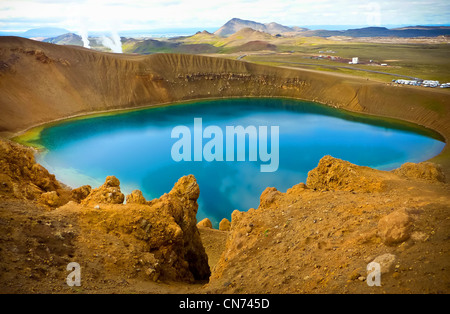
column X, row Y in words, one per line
column 422, row 27
column 275, row 28
column 299, row 29
column 65, row 39
column 44, row 32
column 412, row 31
column 421, row 31
column 204, row 32
column 234, row 25
column 245, row 35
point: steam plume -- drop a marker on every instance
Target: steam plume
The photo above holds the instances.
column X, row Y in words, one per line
column 114, row 43
column 84, row 38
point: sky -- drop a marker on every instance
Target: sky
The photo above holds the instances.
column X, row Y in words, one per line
column 126, row 15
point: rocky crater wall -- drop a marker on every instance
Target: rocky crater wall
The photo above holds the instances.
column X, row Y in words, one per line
column 41, row 82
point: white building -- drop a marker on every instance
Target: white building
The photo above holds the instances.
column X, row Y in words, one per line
column 355, row 60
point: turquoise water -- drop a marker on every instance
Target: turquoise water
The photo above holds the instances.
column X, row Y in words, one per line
column 136, row 148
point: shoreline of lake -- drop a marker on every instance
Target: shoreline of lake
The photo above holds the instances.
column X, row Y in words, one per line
column 309, row 131
column 30, row 135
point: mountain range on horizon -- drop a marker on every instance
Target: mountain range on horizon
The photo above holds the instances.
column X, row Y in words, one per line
column 234, row 36
column 236, row 24
column 274, row 28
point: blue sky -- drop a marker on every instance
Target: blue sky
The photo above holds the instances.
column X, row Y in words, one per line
column 122, row 15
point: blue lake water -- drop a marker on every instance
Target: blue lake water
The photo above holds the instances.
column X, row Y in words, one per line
column 136, row 148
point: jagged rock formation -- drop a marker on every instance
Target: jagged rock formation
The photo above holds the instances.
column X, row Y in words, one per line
column 157, row 240
column 332, row 174
column 162, row 234
column 108, row 193
column 136, row 197
column 224, row 225
column 23, row 178
column 80, row 193
column 205, row 223
column 320, row 237
column 424, row 170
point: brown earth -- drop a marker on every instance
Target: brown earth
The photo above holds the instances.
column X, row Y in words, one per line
column 151, row 241
column 320, row 237
column 317, row 237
